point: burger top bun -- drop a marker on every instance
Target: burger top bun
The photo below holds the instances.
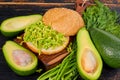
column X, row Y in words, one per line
column 63, row 20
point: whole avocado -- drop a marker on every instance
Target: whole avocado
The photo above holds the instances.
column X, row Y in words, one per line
column 108, row 46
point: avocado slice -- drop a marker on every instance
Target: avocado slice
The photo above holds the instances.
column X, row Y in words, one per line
column 89, row 61
column 20, row 60
column 13, row 26
column 108, row 46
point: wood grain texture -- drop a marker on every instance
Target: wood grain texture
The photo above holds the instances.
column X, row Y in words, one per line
column 105, row 1
column 36, row 1
column 43, row 5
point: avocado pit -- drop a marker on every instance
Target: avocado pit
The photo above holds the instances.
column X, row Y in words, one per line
column 21, row 57
column 88, row 61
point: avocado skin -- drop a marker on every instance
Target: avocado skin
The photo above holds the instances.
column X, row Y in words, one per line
column 84, row 41
column 23, row 73
column 19, row 70
column 13, row 33
column 108, row 46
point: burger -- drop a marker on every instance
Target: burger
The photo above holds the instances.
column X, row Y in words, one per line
column 51, row 35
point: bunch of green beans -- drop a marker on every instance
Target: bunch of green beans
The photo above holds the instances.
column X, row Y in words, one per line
column 67, row 70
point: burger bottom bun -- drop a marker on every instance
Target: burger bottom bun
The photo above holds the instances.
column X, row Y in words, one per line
column 49, row 51
column 63, row 20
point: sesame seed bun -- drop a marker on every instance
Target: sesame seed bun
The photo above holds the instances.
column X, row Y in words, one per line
column 63, row 20
column 48, row 51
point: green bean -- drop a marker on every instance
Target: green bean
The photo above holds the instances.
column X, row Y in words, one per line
column 71, row 70
column 76, row 77
column 49, row 73
column 65, row 71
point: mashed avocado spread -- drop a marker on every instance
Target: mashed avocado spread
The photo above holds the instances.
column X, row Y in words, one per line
column 42, row 36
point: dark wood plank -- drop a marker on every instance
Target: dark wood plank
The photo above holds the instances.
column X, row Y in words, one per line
column 105, row 1
column 37, row 0
column 29, row 7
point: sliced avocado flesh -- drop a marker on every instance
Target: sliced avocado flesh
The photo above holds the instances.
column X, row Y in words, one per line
column 108, row 46
column 13, row 26
column 21, row 61
column 89, row 61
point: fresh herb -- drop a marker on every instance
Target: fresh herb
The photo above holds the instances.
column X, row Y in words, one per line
column 42, row 36
column 39, row 70
column 67, row 70
column 101, row 16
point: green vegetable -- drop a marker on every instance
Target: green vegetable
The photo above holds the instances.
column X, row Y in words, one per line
column 20, row 60
column 108, row 46
column 13, row 26
column 89, row 62
column 67, row 70
column 102, row 17
column 42, row 36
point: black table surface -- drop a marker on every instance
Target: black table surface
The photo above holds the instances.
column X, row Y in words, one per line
column 7, row 74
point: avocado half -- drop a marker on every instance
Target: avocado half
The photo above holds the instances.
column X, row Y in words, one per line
column 13, row 26
column 89, row 61
column 20, row 60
